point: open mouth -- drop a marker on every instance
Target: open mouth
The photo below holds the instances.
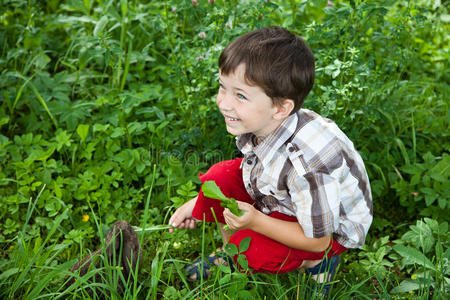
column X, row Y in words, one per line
column 231, row 119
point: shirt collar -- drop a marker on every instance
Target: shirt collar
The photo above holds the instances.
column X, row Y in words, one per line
column 266, row 150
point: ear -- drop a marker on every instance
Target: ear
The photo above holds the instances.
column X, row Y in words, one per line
column 284, row 109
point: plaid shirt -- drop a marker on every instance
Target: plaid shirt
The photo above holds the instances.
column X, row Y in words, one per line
column 308, row 168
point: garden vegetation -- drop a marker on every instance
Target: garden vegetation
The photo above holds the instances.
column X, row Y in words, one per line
column 107, row 112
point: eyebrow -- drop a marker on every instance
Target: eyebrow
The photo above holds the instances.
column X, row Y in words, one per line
column 236, row 88
column 241, row 90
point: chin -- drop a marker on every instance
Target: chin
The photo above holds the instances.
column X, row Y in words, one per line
column 234, row 131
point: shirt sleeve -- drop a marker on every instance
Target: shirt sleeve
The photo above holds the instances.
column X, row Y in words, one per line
column 315, row 196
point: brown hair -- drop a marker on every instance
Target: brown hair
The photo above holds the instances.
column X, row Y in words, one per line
column 278, row 61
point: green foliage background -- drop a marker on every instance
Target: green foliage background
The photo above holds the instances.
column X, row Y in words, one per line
column 103, row 102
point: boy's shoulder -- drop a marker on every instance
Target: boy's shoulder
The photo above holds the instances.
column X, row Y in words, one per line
column 314, row 132
column 319, row 141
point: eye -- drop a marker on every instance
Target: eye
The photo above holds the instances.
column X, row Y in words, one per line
column 241, row 97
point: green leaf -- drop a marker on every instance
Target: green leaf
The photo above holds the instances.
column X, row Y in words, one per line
column 211, row 190
column 439, row 251
column 8, row 273
column 231, row 249
column 429, row 158
column 140, row 168
column 83, row 131
column 242, row 261
column 4, row 121
column 413, row 169
column 41, row 60
column 118, row 131
column 442, row 202
column 413, row 256
column 443, row 227
column 447, row 254
column 416, row 179
column 225, row 279
column 225, row 269
column 406, row 286
column 244, row 294
column 429, row 199
column 244, row 244
column 336, row 73
column 124, row 7
column 100, row 26
column 427, row 191
column 232, row 205
column 63, row 139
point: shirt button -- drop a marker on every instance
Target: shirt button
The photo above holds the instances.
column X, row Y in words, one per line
column 249, row 161
column 291, row 149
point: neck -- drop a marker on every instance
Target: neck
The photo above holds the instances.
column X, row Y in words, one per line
column 259, row 139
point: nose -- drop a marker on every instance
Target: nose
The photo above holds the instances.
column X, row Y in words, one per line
column 224, row 101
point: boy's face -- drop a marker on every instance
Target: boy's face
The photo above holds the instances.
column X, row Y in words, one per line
column 246, row 108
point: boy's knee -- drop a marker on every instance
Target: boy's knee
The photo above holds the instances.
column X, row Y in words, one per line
column 255, row 253
column 266, row 255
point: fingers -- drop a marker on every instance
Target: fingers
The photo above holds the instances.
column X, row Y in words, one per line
column 180, row 225
column 191, row 224
column 175, row 219
column 244, row 205
column 237, row 223
column 179, row 216
column 229, row 218
column 182, row 218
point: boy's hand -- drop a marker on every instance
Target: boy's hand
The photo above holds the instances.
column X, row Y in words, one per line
column 243, row 222
column 182, row 218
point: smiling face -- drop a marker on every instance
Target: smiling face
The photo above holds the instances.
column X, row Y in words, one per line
column 246, row 108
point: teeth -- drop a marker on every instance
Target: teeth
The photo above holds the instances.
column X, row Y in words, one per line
column 232, row 119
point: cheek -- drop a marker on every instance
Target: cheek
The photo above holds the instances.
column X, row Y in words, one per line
column 260, row 112
column 218, row 99
column 220, row 96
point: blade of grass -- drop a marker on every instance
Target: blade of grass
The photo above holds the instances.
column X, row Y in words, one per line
column 18, row 282
column 30, row 209
column 42, row 101
column 151, row 228
column 413, row 135
column 44, row 282
column 402, row 148
column 146, row 206
column 19, row 93
column 36, row 93
column 127, row 65
column 156, row 269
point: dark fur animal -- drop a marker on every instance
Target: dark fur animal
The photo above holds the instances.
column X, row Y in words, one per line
column 122, row 250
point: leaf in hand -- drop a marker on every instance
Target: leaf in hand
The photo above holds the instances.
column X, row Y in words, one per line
column 232, row 205
column 211, row 190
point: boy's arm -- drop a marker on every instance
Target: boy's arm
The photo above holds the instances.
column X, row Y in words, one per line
column 288, row 233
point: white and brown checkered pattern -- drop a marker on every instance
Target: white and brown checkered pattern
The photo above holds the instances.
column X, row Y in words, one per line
column 308, row 168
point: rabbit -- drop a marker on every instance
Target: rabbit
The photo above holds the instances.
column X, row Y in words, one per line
column 127, row 257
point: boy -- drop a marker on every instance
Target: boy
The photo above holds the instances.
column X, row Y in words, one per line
column 301, row 183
